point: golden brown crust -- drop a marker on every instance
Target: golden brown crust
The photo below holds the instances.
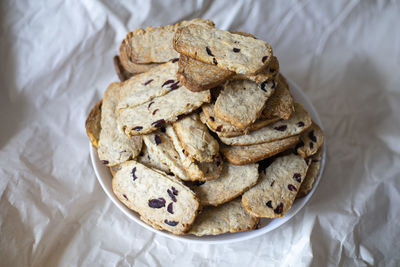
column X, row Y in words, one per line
column 93, row 125
column 119, row 69
column 130, row 66
column 242, row 155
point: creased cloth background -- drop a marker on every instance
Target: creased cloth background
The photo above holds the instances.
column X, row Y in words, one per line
column 56, row 61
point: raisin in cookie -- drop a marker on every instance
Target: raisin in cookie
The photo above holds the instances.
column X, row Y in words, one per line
column 311, row 141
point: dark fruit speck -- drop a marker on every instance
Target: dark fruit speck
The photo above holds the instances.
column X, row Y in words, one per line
column 219, row 128
column 125, row 197
column 312, row 136
column 171, row 223
column 300, row 124
column 167, row 82
column 215, row 61
column 158, row 123
column 281, row 128
column 269, row 204
column 236, row 50
column 149, row 81
column 291, row 187
column 279, row 209
column 175, row 60
column 174, row 191
column 170, row 208
column 105, row 161
column 209, row 52
column 171, row 195
column 157, row 139
column 297, row 177
column 264, row 59
column 212, row 118
column 137, row 128
column 311, row 145
column 157, row 203
column 155, row 111
column 133, row 173
column 198, row 183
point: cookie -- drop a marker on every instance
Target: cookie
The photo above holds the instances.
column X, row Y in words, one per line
column 233, row 181
column 310, row 141
column 230, row 217
column 114, row 146
column 280, row 104
column 237, row 53
column 131, row 67
column 241, row 155
column 199, row 76
column 149, row 116
column 196, row 171
column 154, row 45
column 311, row 176
column 161, row 147
column 277, row 187
column 122, row 74
column 156, row 197
column 241, row 102
column 93, row 125
column 148, row 159
column 224, row 128
column 297, row 123
column 195, row 139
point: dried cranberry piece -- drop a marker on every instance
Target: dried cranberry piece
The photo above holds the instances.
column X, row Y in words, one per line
column 209, row 51
column 215, row 61
column 157, row 139
column 212, row 118
column 300, row 124
column 279, row 209
column 155, row 111
column 264, row 59
column 175, row 60
column 269, row 204
column 219, row 128
column 171, row 223
column 151, row 103
column 137, row 128
column 236, row 50
column 179, row 117
column 312, row 136
column 133, row 173
column 141, row 154
column 171, row 195
column 272, row 183
column 311, row 145
column 157, row 203
column 105, row 161
column 167, row 82
column 262, row 86
column 149, row 81
column 125, row 197
column 174, row 86
column 162, row 129
column 281, row 128
column 170, row 208
column 198, row 183
column 300, row 144
column 159, row 123
column 170, row 174
column 174, row 191
column 291, row 187
column 297, row 177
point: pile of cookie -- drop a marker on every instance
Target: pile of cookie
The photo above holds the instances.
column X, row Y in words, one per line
column 202, row 135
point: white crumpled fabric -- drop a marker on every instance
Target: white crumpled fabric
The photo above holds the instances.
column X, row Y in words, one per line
column 56, row 61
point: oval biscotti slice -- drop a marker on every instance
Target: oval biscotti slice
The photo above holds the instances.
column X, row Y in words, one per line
column 154, row 45
column 297, row 123
column 312, row 175
column 241, row 155
column 195, row 139
column 92, row 124
column 156, row 197
column 311, row 141
column 114, row 146
column 233, row 181
column 228, row 51
column 230, row 217
column 277, row 187
column 241, row 102
column 196, row 170
column 224, row 128
column 148, row 159
column 122, row 74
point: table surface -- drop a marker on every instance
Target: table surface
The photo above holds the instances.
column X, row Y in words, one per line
column 57, row 62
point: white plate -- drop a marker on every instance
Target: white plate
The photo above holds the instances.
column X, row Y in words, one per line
column 266, row 225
